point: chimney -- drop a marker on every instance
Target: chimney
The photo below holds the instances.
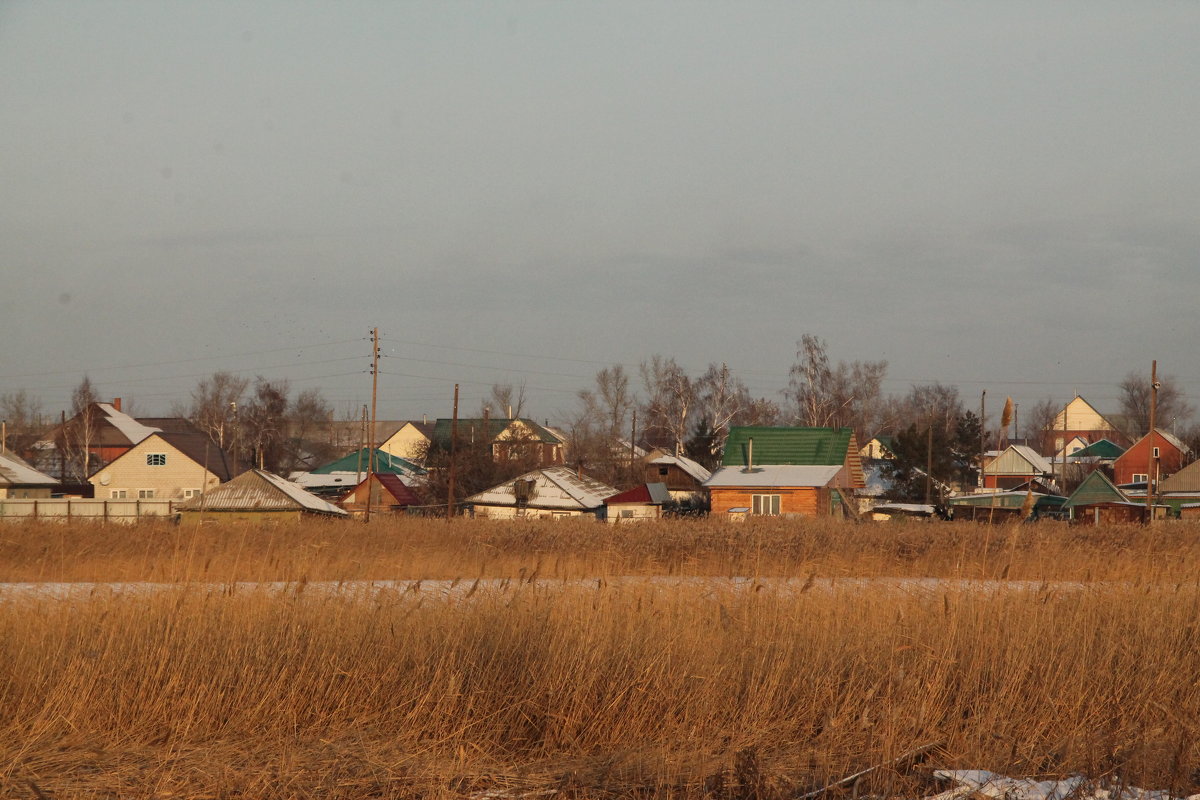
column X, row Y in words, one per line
column 750, row 454
column 116, row 403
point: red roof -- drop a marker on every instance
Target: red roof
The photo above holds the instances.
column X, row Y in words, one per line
column 403, row 495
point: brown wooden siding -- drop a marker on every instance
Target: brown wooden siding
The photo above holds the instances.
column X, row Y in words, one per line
column 805, row 501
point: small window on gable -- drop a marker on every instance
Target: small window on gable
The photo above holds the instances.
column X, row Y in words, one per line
column 1156, row 452
column 664, row 470
column 156, row 459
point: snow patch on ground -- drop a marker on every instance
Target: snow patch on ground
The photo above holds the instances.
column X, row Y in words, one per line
column 1000, row 787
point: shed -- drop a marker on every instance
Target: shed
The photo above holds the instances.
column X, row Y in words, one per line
column 19, row 480
column 387, row 494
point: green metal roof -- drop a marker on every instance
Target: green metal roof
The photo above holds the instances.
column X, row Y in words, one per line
column 1096, row 488
column 384, row 462
column 470, row 430
column 800, row 446
column 1101, row 449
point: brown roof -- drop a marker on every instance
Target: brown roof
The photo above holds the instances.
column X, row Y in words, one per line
column 203, row 451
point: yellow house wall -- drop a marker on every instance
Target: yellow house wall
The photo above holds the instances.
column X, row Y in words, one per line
column 131, row 473
column 408, row 443
column 240, row 516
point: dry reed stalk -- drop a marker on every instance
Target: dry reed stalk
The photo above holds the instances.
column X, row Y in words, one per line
column 685, row 689
column 413, row 549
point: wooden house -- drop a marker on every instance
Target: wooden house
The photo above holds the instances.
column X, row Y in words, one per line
column 386, row 492
column 164, row 466
column 787, row 471
column 257, row 496
column 1153, row 458
column 639, row 503
column 548, row 492
column 1015, row 465
column 1098, row 501
column 683, row 477
column 508, row 439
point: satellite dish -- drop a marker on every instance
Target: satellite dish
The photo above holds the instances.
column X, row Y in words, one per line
column 105, row 479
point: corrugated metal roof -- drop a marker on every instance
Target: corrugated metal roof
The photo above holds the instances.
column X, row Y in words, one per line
column 384, row 462
column 15, row 472
column 256, row 490
column 780, row 475
column 1186, row 480
column 797, row 446
column 1103, row 449
column 554, row 487
column 1018, row 459
column 696, row 470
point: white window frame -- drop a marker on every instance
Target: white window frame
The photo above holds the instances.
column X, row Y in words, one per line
column 156, row 459
column 765, row 505
column 1139, row 477
column 118, row 494
column 1156, row 455
column 188, row 493
column 145, row 494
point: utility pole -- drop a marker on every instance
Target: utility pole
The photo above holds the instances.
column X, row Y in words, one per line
column 982, row 437
column 1150, row 468
column 453, row 454
column 929, row 462
column 371, row 434
column 633, row 443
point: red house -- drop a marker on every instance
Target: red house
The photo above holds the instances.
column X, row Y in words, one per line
column 1134, row 465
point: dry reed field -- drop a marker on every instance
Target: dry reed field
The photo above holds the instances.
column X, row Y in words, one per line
column 1036, row 651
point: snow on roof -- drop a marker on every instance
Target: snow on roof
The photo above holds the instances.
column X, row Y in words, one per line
column 692, row 468
column 648, row 493
column 15, row 472
column 554, row 487
column 774, row 475
column 129, row 427
column 258, row 490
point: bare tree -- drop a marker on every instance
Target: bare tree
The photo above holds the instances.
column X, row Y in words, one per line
column 22, row 416
column 825, row 395
column 214, row 406
column 1037, row 421
column 262, row 428
column 505, row 401
column 598, row 424
column 78, row 436
column 670, row 401
column 1172, row 408
column 721, row 400
column 308, row 419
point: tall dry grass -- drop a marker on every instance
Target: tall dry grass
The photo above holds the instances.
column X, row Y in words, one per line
column 407, row 548
column 686, row 690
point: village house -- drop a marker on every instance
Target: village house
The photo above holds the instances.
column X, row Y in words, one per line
column 410, row 441
column 787, row 471
column 385, row 492
column 1015, row 466
column 1078, row 419
column 92, row 438
column 509, row 439
column 683, row 477
column 18, row 480
column 1152, row 458
column 548, row 492
column 257, row 496
column 164, row 466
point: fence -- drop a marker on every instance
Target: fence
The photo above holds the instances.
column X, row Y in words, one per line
column 76, row 508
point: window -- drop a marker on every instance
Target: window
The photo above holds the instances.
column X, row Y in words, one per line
column 192, row 492
column 664, row 470
column 156, row 459
column 1138, row 478
column 627, row 513
column 145, row 494
column 766, row 505
column 1156, row 452
column 118, row 494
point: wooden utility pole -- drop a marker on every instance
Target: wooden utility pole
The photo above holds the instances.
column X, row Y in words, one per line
column 982, row 437
column 371, row 433
column 1150, row 468
column 929, row 463
column 453, row 455
column 633, row 443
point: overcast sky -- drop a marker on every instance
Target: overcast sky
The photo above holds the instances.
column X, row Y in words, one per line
column 1004, row 196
